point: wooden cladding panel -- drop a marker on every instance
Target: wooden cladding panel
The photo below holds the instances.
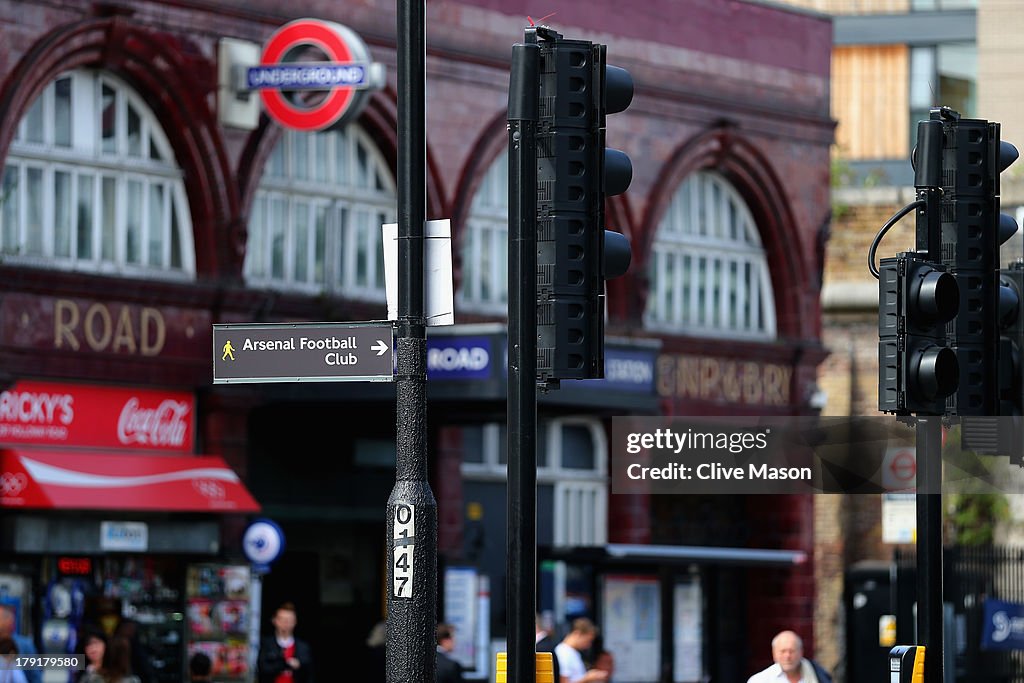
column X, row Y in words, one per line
column 871, row 101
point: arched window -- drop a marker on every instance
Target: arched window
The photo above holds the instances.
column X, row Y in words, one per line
column 708, row 272
column 91, row 184
column 316, row 219
column 485, row 245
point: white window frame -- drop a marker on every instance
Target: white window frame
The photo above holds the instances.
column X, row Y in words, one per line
column 484, row 287
column 580, row 495
column 85, row 158
column 344, row 190
column 704, row 246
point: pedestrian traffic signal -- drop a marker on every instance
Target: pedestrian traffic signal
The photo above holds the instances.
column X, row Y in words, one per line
column 916, row 369
column 575, row 173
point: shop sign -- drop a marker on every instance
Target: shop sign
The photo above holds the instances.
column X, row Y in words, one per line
column 723, row 380
column 124, row 536
column 93, row 416
column 458, row 358
column 114, row 329
column 1003, row 626
column 347, row 76
column 629, row 370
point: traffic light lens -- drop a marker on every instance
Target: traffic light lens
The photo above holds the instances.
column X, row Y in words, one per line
column 938, row 296
column 938, row 372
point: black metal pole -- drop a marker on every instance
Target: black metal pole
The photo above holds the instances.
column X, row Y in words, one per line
column 929, row 544
column 521, row 602
column 412, row 510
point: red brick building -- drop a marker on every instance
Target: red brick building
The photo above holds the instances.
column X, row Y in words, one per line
column 135, row 216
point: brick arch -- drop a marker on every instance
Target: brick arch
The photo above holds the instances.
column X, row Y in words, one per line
column 727, row 152
column 380, row 121
column 174, row 79
column 489, row 145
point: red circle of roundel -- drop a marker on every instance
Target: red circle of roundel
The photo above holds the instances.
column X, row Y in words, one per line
column 318, row 34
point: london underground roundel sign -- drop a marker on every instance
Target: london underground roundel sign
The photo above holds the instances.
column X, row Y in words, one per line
column 346, row 77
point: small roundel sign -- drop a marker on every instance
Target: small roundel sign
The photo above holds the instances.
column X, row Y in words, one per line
column 263, row 542
column 346, row 77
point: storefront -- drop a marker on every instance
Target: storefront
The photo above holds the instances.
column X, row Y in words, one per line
column 112, row 519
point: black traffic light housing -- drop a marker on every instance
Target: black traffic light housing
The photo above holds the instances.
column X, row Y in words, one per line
column 575, row 173
column 916, row 370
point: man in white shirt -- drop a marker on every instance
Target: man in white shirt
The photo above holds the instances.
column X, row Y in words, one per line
column 570, row 659
column 790, row 665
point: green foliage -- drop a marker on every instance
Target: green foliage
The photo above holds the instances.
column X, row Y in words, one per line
column 973, row 513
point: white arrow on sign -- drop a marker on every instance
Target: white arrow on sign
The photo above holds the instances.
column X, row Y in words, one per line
column 380, row 347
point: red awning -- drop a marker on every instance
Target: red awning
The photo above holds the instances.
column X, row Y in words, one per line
column 102, row 481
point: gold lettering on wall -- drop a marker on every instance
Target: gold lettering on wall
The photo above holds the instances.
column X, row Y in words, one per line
column 112, row 328
column 709, row 379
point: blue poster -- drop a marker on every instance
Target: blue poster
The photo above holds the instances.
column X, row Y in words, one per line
column 1003, row 628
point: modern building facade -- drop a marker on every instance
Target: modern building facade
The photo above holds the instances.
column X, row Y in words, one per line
column 137, row 213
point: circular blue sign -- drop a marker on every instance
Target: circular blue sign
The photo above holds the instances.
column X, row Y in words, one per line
column 263, row 542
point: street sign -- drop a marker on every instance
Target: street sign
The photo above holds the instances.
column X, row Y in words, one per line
column 347, row 77
column 302, row 352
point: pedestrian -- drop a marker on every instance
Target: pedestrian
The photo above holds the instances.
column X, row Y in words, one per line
column 448, row 670
column 570, row 653
column 200, row 668
column 94, row 647
column 376, row 653
column 23, row 643
column 790, row 664
column 546, row 642
column 8, row 651
column 140, row 653
column 116, row 666
column 284, row 658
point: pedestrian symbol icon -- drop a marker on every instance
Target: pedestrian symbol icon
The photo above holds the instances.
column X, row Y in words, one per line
column 229, row 351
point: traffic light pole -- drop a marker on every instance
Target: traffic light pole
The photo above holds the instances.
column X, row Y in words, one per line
column 521, row 600
column 929, row 544
column 412, row 510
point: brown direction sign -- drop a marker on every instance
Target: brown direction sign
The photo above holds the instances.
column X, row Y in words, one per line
column 303, row 352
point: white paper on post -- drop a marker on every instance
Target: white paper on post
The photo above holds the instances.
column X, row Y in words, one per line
column 438, row 277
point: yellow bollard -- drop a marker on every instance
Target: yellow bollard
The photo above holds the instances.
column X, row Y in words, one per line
column 543, row 668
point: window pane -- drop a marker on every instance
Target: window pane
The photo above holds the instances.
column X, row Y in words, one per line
column 62, row 213
column 300, row 155
column 133, row 223
column 62, row 113
column 577, row 448
column 320, row 252
column 9, row 207
column 85, row 216
column 109, row 210
column 176, row 247
column 473, row 444
column 278, row 216
column 922, row 78
column 34, row 212
column 363, row 253
column 134, row 132
column 34, row 121
column 301, row 242
column 156, row 225
column 108, row 119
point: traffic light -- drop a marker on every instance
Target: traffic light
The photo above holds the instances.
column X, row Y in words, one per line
column 575, row 173
column 916, row 370
column 971, row 233
column 1011, row 391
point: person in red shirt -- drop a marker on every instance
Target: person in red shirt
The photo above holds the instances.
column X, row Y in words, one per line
column 283, row 657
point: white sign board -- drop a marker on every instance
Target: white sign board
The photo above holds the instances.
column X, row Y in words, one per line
column 899, row 518
column 124, row 536
column 438, row 287
column 631, row 623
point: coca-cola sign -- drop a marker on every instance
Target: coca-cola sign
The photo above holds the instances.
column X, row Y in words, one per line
column 96, row 416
